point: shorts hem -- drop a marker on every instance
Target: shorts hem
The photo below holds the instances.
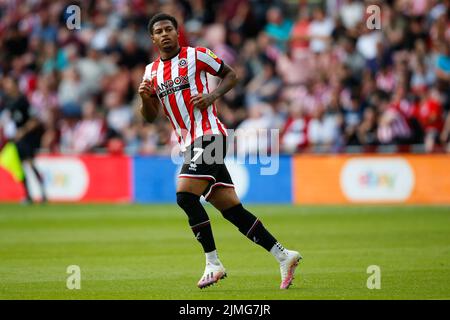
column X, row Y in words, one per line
column 195, row 176
column 218, row 184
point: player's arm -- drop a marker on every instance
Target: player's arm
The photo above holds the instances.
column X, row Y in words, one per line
column 149, row 107
column 229, row 80
column 28, row 127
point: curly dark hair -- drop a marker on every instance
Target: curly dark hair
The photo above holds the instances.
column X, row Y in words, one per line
column 160, row 17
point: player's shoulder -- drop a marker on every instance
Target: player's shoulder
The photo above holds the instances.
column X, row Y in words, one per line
column 196, row 49
column 152, row 63
column 149, row 66
column 207, row 51
column 148, row 71
column 202, row 49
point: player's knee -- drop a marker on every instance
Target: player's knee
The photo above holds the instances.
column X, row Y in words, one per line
column 191, row 205
column 187, row 200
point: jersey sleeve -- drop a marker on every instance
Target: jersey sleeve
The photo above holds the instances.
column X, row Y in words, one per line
column 147, row 73
column 208, row 61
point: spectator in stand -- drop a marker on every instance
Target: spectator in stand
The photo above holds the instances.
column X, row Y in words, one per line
column 422, row 78
column 265, row 87
column 367, row 130
column 443, row 71
column 320, row 31
column 323, row 130
column 278, row 27
column 119, row 115
column 294, row 134
column 253, row 133
column 385, row 79
column 351, row 13
column 71, row 92
column 431, row 117
column 352, row 58
column 352, row 118
column 393, row 127
column 87, row 133
column 299, row 40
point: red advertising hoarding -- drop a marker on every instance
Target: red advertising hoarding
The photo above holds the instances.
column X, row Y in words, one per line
column 88, row 178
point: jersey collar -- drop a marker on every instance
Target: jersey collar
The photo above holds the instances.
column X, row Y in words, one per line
column 170, row 58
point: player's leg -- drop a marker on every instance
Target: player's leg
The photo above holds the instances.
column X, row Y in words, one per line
column 39, row 179
column 227, row 202
column 28, row 199
column 189, row 191
column 25, row 154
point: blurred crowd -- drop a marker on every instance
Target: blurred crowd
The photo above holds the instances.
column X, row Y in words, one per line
column 318, row 71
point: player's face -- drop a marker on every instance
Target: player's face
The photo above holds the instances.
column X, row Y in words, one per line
column 165, row 36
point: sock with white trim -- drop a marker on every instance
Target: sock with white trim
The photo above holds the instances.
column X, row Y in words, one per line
column 198, row 219
column 250, row 226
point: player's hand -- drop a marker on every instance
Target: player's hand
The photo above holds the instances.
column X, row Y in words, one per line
column 146, row 90
column 19, row 135
column 202, row 100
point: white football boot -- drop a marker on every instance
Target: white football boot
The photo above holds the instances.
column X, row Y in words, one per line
column 287, row 268
column 213, row 273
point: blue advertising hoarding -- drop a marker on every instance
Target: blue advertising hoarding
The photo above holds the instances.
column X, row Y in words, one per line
column 267, row 180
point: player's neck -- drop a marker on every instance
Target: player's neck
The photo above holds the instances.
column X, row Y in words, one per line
column 170, row 54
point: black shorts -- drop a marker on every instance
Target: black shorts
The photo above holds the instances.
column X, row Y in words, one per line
column 27, row 148
column 29, row 144
column 204, row 159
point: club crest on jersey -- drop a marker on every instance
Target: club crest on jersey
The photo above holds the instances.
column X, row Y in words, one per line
column 182, row 63
column 153, row 74
column 211, row 54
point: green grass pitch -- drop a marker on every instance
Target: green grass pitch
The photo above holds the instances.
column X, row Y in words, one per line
column 149, row 252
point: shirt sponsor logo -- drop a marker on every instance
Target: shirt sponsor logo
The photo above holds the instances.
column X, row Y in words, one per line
column 173, row 85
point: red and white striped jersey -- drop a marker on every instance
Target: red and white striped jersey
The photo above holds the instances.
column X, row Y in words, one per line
column 176, row 80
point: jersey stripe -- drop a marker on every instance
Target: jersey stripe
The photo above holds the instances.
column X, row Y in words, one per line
column 194, row 89
column 154, row 82
column 167, row 108
column 172, row 99
column 186, row 95
column 206, row 126
column 207, row 112
column 219, row 123
column 178, row 96
column 213, row 114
